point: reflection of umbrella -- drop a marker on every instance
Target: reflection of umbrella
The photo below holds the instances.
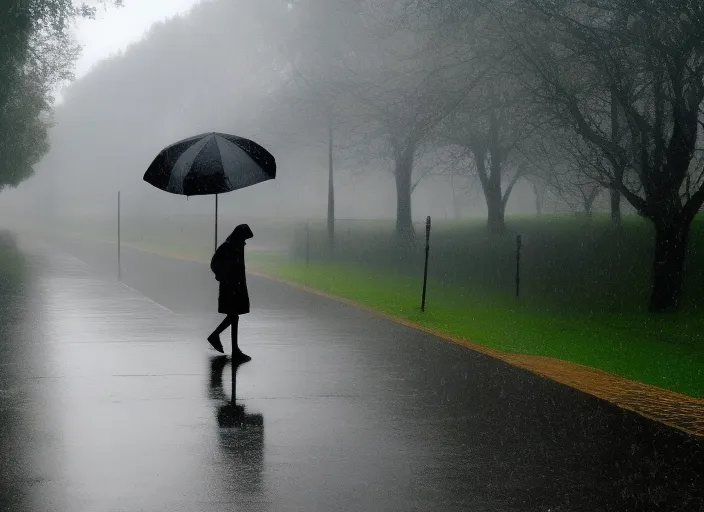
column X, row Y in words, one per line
column 210, row 163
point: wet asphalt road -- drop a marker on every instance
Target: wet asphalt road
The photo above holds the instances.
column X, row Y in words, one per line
column 111, row 400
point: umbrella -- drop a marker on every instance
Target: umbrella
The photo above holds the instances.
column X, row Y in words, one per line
column 210, row 163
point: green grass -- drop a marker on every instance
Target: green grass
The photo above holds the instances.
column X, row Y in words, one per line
column 664, row 351
column 567, row 263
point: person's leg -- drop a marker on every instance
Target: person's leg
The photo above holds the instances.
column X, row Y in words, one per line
column 214, row 338
column 223, row 325
column 236, row 351
column 233, row 331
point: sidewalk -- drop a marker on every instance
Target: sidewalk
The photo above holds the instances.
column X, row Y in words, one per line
column 112, row 402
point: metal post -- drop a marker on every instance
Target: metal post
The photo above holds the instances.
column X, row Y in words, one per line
column 119, row 239
column 307, row 243
column 427, row 255
column 216, row 222
column 518, row 265
column 331, row 190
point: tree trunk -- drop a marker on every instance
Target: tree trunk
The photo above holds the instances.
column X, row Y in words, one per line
column 331, row 192
column 668, row 266
column 495, row 206
column 491, row 186
column 456, row 211
column 539, row 198
column 455, row 203
column 615, row 207
column 588, row 201
column 404, row 220
column 494, row 198
column 494, row 203
column 619, row 170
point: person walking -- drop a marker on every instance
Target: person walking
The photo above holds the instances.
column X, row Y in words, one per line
column 233, row 299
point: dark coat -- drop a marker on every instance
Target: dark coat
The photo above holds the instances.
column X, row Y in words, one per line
column 228, row 266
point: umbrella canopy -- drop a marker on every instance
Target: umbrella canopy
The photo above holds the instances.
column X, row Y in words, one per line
column 210, row 163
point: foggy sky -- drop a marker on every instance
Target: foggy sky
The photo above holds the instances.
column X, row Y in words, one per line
column 113, row 30
column 190, row 74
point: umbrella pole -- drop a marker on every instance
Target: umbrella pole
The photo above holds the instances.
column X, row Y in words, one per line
column 216, row 222
column 119, row 236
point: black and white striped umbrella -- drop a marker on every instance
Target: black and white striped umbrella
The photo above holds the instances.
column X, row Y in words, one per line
column 210, row 163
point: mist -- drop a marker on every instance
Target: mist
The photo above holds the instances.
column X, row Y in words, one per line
column 216, row 68
column 450, row 252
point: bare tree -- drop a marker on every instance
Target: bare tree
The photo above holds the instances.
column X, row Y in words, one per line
column 490, row 123
column 567, row 167
column 595, row 62
column 406, row 89
column 539, row 186
column 320, row 48
column 575, row 189
column 490, row 128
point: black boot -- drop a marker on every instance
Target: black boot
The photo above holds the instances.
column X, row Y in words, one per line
column 240, row 357
column 214, row 340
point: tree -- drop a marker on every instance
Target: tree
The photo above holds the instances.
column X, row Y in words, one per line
column 395, row 85
column 414, row 82
column 319, row 47
column 37, row 54
column 404, row 117
column 575, row 189
column 539, row 186
column 489, row 126
column 566, row 166
column 641, row 62
column 23, row 132
column 306, row 113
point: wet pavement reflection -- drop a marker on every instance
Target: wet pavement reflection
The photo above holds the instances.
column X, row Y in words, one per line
column 112, row 400
column 241, row 434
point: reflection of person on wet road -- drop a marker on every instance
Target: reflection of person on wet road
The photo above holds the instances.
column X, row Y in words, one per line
column 228, row 266
column 241, row 434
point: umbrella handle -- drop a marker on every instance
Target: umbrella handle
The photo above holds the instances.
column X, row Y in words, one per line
column 216, row 222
